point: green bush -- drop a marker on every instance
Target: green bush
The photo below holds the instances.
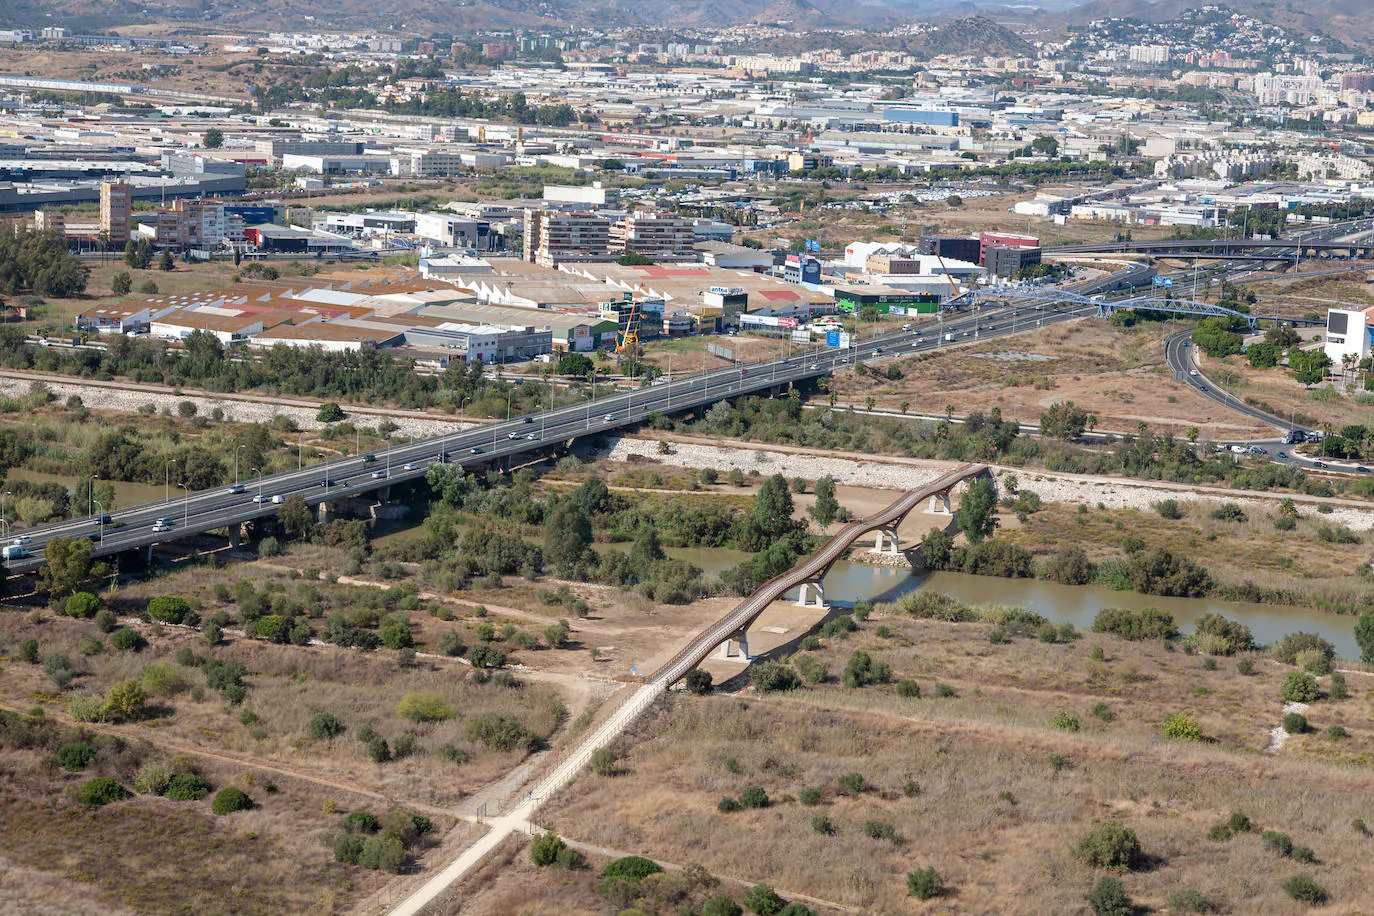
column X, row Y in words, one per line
column 1110, row 845
column 1304, row 890
column 1146, row 623
column 924, row 883
column 162, row 680
column 1239, row 822
column 101, row 791
column 82, row 604
column 822, row 825
column 1182, row 727
column 152, row 779
column 169, row 609
column 631, row 868
column 1295, row 723
column 753, row 797
column 1108, row 898
column 699, row 682
column 1245, row 666
column 500, row 732
column 944, row 691
column 125, row 640
column 850, row 784
column 1190, row 901
column 28, row 651
column 1338, row 689
column 348, row 847
column 1274, row 841
column 424, row 706
column 763, row 900
column 382, row 853
column 228, row 800
column 1066, row 721
column 1168, row 508
column 1299, row 687
column 186, row 787
column 728, row 805
column 1219, row 833
column 721, row 905
column 879, row 830
column 546, row 848
column 361, row 822
column 810, row 795
column 1336, row 732
column 77, row 755
column 1103, row 711
column 908, row 688
column 324, row 726
column 1304, row 854
column 771, row 677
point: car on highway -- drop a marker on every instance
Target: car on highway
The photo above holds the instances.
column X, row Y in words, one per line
column 1256, row 450
column 369, row 458
column 609, row 418
column 512, row 435
column 1239, row 449
column 380, row 474
column 815, row 365
column 1320, row 464
column 22, row 540
column 1282, row 456
column 235, row 489
column 259, row 498
column 1192, row 372
column 1361, row 469
column 278, row 499
column 476, row 450
column 533, row 437
column 411, row 466
column 160, row 527
column 529, row 420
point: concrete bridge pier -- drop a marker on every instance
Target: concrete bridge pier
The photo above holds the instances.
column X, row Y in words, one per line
column 939, row 504
column 807, row 588
column 735, row 648
column 235, row 536
column 324, row 511
column 886, row 542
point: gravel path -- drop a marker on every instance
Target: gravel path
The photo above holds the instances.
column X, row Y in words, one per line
column 1276, row 734
column 904, row 473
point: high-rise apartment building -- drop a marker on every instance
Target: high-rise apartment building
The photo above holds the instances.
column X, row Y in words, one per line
column 553, row 237
column 660, row 236
column 116, row 210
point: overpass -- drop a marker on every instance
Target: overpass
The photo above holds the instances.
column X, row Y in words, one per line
column 518, row 819
column 1227, row 249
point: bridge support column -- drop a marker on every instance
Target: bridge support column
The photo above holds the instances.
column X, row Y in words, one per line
column 735, row 648
column 235, row 535
column 149, row 560
column 803, row 596
column 324, row 512
column 886, row 542
column 384, row 494
column 939, row 504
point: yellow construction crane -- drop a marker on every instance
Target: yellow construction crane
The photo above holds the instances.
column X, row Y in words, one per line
column 629, row 338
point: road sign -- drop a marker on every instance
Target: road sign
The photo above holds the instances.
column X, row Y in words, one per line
column 1164, row 281
column 844, row 340
column 832, row 339
column 801, row 336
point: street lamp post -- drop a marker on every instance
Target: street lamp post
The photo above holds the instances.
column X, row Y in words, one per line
column 166, row 479
column 90, row 495
column 101, row 521
column 236, row 463
column 185, row 504
column 258, row 471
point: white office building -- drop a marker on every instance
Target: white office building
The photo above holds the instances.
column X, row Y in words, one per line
column 1348, row 333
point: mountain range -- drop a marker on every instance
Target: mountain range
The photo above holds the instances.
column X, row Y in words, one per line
column 1350, row 20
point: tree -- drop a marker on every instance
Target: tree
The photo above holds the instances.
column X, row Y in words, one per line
column 1110, row 845
column 1263, row 354
column 574, row 364
column 121, row 283
column 324, row 726
column 1299, row 687
column 826, row 507
column 936, row 549
column 67, row 566
column 546, row 848
column 295, row 517
column 148, row 288
column 634, row 259
column 924, row 883
column 773, row 508
column 1364, row 637
column 169, row 609
column 1047, row 146
column 229, row 800
column 165, row 261
column 1108, row 898
column 1064, row 421
column 330, row 413
column 1309, row 366
column 763, row 900
column 977, row 512
column 567, row 536
column 699, row 682
column 125, row 701
column 83, row 604
column 213, row 138
column 138, row 253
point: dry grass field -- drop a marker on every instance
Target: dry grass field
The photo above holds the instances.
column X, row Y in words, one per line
column 984, row 788
column 1118, row 374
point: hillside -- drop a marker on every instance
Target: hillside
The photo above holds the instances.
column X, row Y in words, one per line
column 1347, row 20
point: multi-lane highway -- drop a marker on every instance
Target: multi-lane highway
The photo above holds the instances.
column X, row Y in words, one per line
column 221, row 507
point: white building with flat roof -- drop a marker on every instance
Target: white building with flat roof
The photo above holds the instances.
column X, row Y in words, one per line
column 1349, row 332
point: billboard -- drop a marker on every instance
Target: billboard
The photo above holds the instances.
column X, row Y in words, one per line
column 767, row 321
column 801, row 336
column 832, row 338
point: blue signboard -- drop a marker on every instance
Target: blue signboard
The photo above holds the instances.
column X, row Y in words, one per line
column 832, row 338
column 1164, row 281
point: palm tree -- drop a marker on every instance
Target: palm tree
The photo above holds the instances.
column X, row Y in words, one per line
column 905, row 406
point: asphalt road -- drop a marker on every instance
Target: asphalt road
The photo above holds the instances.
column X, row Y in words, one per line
column 220, row 507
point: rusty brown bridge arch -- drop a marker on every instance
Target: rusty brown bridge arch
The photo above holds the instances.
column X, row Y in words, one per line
column 735, row 625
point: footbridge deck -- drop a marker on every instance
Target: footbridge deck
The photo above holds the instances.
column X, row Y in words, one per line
column 812, row 570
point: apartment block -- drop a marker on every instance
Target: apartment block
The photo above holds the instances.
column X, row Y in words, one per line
column 659, row 236
column 116, row 210
column 553, row 237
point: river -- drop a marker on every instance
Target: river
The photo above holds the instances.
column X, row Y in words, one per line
column 1075, row 604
